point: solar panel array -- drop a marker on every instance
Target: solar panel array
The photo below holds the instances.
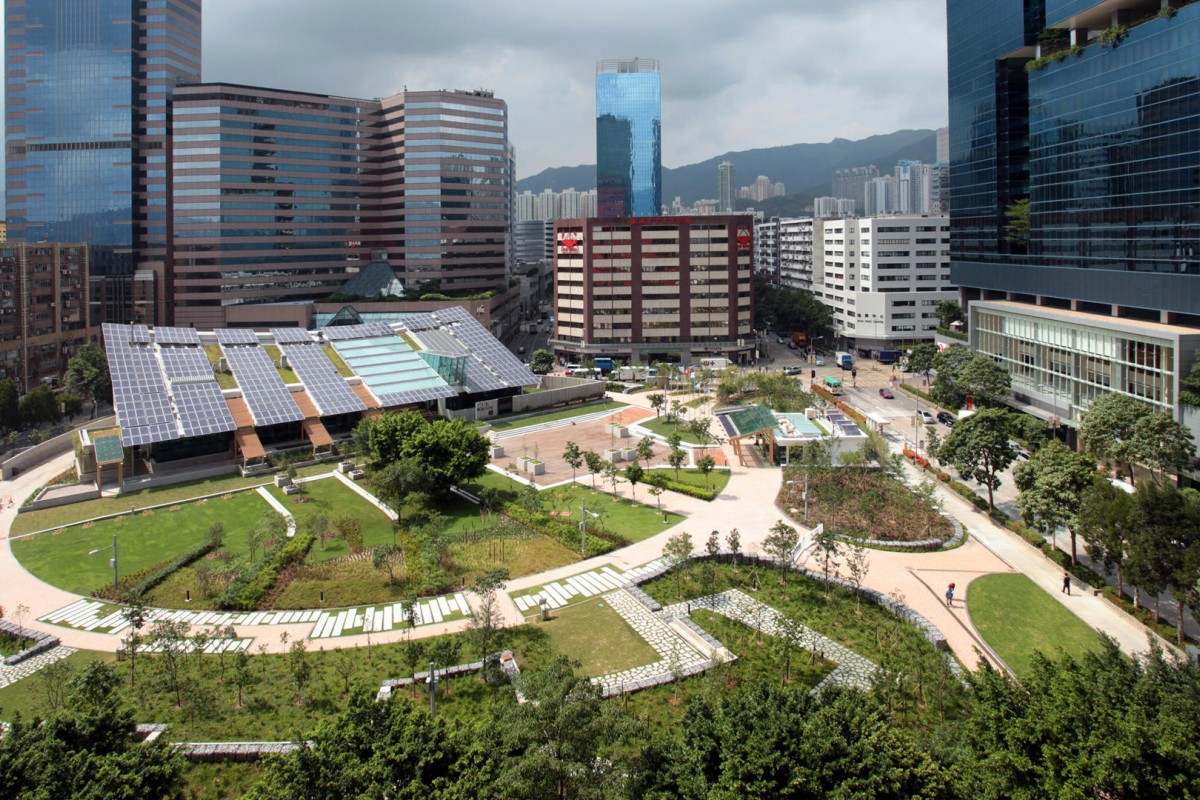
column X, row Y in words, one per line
column 291, row 335
column 341, row 333
column 139, row 391
column 325, row 385
column 176, row 336
column 267, row 397
column 420, row 322
column 492, row 366
column 842, row 422
column 236, row 336
column 199, row 401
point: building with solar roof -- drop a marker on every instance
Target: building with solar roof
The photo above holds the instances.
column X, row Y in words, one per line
column 186, row 398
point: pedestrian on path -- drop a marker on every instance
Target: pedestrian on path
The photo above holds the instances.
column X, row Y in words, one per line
column 950, row 595
column 1067, row 583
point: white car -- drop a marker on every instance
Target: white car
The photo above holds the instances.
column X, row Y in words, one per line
column 926, row 417
column 820, row 361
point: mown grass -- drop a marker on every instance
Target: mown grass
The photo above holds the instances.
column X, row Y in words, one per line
column 597, row 637
column 287, row 374
column 717, row 480
column 1017, row 618
column 634, row 521
column 664, row 428
column 224, row 379
column 335, row 500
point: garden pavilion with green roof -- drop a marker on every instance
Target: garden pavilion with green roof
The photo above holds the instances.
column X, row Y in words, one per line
column 741, row 423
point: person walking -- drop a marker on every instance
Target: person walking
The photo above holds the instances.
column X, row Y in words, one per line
column 1067, row 583
column 950, row 595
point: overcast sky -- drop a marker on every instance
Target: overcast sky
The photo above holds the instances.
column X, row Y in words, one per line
column 735, row 75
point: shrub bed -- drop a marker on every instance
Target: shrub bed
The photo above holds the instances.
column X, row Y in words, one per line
column 967, row 492
column 599, row 540
column 250, row 589
column 865, row 504
column 690, row 490
column 139, row 583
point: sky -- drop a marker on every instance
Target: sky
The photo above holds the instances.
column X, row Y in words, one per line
column 735, row 75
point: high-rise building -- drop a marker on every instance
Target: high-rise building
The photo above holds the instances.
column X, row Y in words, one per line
column 87, row 111
column 852, row 181
column 796, row 252
column 1101, row 291
column 726, row 181
column 943, row 145
column 628, row 137
column 879, row 196
column 763, row 189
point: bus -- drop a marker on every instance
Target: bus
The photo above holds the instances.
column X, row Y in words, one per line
column 832, row 385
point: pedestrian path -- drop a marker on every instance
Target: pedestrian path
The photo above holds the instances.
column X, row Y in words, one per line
column 389, row 617
column 576, row 588
column 10, row 675
column 211, row 648
column 497, row 436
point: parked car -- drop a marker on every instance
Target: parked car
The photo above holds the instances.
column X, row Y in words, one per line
column 793, row 370
column 1021, row 451
column 946, row 418
column 780, row 340
column 925, row 416
column 820, row 361
column 885, row 393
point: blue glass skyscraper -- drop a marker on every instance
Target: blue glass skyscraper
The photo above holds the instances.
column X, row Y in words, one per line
column 1075, row 194
column 87, row 111
column 628, row 138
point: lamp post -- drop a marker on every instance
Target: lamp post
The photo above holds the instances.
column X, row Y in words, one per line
column 112, row 561
column 583, row 528
column 790, row 483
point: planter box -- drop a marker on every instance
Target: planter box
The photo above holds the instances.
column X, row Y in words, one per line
column 497, row 451
column 628, row 453
column 523, row 463
column 282, row 480
column 535, row 467
column 346, row 467
column 291, row 488
column 617, row 429
column 612, row 456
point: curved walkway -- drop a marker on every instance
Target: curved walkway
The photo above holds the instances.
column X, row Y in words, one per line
column 748, row 504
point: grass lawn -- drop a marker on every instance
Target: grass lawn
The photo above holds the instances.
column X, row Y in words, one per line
column 1017, row 618
column 551, row 416
column 77, row 512
column 597, row 637
column 718, row 479
column 621, row 516
column 344, row 370
column 288, row 375
column 335, row 500
column 224, row 379
column 143, row 540
column 664, row 428
column 466, row 560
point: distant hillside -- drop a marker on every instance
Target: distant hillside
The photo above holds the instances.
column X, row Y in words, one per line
column 805, row 169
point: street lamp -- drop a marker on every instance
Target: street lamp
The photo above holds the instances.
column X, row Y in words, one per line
column 112, row 561
column 790, row 483
column 583, row 528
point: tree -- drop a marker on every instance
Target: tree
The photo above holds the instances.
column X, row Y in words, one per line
column 574, row 458
column 1105, row 522
column 595, row 464
column 734, row 540
column 948, row 312
column 299, row 668
column 1162, row 444
column 949, row 364
column 706, row 465
column 677, row 551
column 1108, row 428
column 980, row 449
column 698, row 428
column 1189, row 387
column 984, row 381
column 828, row 548
column 388, row 556
column 171, row 640
column 780, row 543
column 677, row 458
column 645, row 450
column 541, row 362
column 486, row 618
column 87, row 375
column 921, row 358
column 39, row 406
column 612, row 473
column 1166, row 524
column 447, row 452
column 134, row 614
column 658, row 401
column 634, row 474
column 1052, row 483
column 241, row 675
column 858, row 565
column 398, row 482
column 9, row 405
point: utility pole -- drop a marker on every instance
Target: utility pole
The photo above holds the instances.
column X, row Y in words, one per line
column 583, row 528
column 432, row 681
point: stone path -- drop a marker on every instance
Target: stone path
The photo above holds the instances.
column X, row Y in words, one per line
column 213, row 647
column 93, row 615
column 10, row 675
column 278, row 506
column 584, row 585
column 853, row 670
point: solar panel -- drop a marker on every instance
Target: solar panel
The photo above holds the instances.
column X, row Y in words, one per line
column 379, row 329
column 406, row 397
column 186, row 363
column 492, row 366
column 202, row 408
column 341, row 333
column 139, row 334
column 325, row 385
column 139, row 391
column 236, row 336
column 291, row 335
column 420, row 322
column 267, row 397
column 176, row 336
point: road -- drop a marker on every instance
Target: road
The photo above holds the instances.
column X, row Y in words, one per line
column 529, row 341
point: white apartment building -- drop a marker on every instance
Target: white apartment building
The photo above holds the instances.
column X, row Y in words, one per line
column 883, row 277
column 796, row 253
column 766, row 248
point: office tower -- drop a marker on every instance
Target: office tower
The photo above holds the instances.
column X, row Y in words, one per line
column 943, row 145
column 684, row 291
column 1101, row 293
column 628, row 137
column 726, row 180
column 851, row 181
column 87, row 111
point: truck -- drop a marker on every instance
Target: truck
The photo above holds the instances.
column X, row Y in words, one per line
column 800, row 340
column 603, row 364
column 714, row 362
column 889, row 356
column 844, row 360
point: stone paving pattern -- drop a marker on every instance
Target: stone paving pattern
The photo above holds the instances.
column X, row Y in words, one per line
column 10, row 675
column 586, row 584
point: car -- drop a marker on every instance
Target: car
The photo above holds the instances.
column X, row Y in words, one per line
column 1021, row 451
column 885, row 393
column 793, row 370
column 520, row 351
column 780, row 340
column 820, row 361
column 925, row 416
column 792, row 346
column 946, row 418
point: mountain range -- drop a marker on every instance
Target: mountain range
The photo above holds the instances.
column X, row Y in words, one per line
column 805, row 169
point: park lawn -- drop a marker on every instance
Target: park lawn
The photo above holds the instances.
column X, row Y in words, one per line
column 27, row 697
column 1018, row 618
column 552, row 416
column 144, row 539
column 596, row 635
column 495, row 480
column 665, row 429
column 623, row 517
column 466, row 560
column 331, row 497
column 718, row 479
column 344, row 583
column 225, row 781
column 51, row 518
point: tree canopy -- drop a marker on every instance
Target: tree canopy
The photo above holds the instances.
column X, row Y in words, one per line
column 1052, row 484
column 448, row 452
column 786, row 309
column 87, row 375
column 979, row 447
column 542, row 361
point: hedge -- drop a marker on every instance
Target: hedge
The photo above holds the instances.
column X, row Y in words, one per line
column 138, row 583
column 690, row 490
column 599, row 540
column 248, row 590
column 969, row 494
